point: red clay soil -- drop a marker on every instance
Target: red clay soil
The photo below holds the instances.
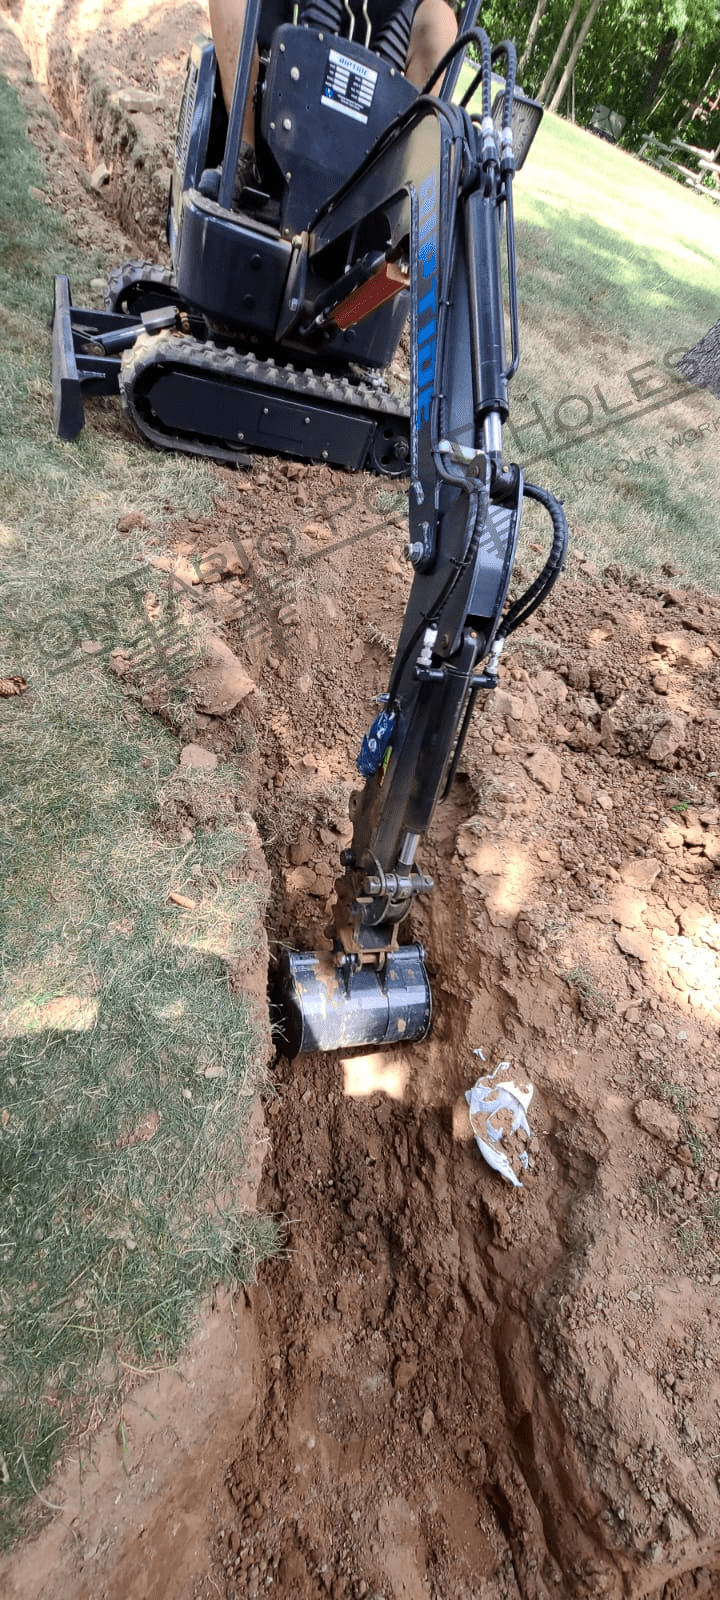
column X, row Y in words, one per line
column 447, row 1387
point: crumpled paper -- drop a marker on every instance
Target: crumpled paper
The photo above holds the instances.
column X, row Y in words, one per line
column 485, row 1101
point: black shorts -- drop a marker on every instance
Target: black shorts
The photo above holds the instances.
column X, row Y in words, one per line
column 379, row 12
column 275, row 12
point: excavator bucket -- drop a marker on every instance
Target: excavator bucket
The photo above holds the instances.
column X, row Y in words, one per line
column 324, row 1008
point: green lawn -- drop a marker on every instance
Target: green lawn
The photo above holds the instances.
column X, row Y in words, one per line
column 127, row 1068
column 630, row 243
column 618, row 272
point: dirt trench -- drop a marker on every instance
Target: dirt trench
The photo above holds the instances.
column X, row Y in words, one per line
column 445, row 1387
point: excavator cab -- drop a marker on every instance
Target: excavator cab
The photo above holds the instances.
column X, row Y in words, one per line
column 322, row 101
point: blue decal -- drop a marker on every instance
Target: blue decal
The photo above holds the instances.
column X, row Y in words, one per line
column 427, row 303
column 375, row 744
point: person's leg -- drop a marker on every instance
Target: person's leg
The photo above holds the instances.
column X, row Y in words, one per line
column 433, row 30
column 226, row 24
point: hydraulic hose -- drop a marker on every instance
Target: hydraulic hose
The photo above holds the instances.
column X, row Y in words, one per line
column 528, row 602
column 521, row 609
column 507, row 49
column 476, row 36
column 473, row 530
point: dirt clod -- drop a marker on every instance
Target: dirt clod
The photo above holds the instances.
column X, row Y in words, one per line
column 195, row 755
column 658, row 1119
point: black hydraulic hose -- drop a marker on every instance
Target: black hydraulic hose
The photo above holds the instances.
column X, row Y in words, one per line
column 428, row 619
column 484, row 76
column 469, row 92
column 519, row 612
column 468, row 18
column 506, row 48
column 528, row 602
column 476, row 36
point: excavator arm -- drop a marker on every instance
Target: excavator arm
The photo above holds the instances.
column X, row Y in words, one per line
column 436, row 193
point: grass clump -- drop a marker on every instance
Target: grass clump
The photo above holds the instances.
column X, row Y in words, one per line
column 679, row 1100
column 592, row 1002
column 127, row 1068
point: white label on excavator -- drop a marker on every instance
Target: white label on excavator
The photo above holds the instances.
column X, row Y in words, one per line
column 349, row 86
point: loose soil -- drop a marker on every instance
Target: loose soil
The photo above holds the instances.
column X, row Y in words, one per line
column 446, row 1387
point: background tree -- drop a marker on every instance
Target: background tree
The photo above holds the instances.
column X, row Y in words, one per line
column 538, row 14
column 574, row 54
column 657, row 65
column 560, row 48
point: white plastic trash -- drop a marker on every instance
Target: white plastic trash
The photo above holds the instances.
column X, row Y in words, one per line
column 486, row 1101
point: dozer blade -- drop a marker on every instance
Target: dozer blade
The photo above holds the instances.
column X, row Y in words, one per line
column 67, row 389
column 85, row 357
column 323, row 1008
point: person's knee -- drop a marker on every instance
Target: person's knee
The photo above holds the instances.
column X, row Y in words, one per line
column 433, row 31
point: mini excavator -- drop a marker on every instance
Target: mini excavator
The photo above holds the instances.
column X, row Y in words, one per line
column 284, row 305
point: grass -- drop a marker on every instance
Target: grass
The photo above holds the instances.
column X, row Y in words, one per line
column 696, row 1235
column 618, row 273
column 127, row 1069
column 593, row 1003
column 690, row 1237
column 678, row 1099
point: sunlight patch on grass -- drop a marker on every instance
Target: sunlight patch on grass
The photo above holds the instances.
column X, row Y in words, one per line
column 69, row 1012
column 618, row 274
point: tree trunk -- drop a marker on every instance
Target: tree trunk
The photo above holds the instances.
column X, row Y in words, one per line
column 559, row 53
column 692, row 113
column 678, row 45
column 574, row 53
column 539, row 13
column 664, row 55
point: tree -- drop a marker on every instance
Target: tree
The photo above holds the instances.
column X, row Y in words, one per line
column 574, row 53
column 667, row 49
column 549, row 78
column 694, row 110
column 538, row 15
column 656, row 64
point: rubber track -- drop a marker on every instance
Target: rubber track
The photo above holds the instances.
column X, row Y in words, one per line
column 130, row 273
column 170, row 349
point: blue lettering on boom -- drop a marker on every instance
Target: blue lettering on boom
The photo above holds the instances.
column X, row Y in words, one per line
column 427, row 306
